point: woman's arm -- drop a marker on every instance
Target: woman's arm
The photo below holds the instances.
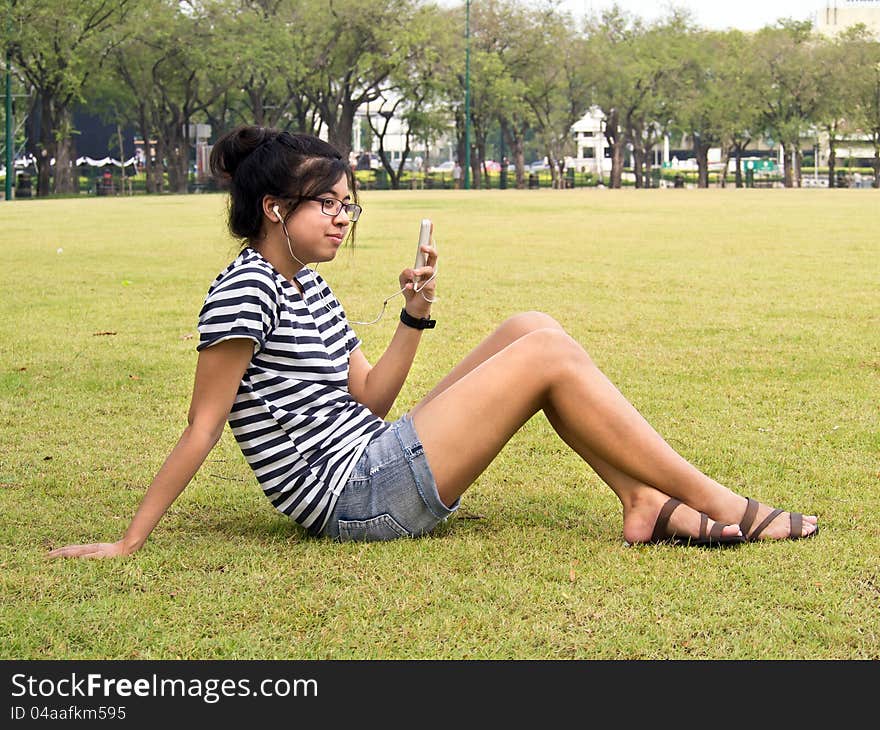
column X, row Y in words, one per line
column 218, row 374
column 377, row 386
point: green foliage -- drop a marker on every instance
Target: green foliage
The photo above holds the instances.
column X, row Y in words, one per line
column 56, row 46
column 312, row 66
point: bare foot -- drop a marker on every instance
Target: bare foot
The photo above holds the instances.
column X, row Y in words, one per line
column 641, row 514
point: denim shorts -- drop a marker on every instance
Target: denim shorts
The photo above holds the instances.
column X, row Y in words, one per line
column 391, row 493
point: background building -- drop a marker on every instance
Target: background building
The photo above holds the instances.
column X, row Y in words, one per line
column 593, row 154
column 837, row 15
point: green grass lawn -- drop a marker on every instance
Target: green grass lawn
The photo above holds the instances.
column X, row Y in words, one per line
column 743, row 324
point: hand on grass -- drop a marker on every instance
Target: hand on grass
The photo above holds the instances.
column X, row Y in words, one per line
column 94, row 550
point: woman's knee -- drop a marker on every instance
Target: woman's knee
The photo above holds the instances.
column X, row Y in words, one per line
column 552, row 349
column 524, row 323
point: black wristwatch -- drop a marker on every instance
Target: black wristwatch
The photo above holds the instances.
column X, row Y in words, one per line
column 415, row 323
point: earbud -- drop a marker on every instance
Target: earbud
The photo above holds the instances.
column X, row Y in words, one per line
column 276, row 212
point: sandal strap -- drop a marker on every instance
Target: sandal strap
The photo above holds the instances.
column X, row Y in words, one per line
column 715, row 532
column 797, row 524
column 767, row 520
column 749, row 515
column 704, row 520
column 663, row 519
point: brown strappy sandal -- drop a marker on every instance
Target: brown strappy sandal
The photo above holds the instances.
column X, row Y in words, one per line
column 713, row 538
column 796, row 528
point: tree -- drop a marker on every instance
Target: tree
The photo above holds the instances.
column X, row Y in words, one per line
column 708, row 105
column 743, row 82
column 624, row 78
column 663, row 55
column 512, row 35
column 57, row 46
column 558, row 86
column 866, row 87
column 492, row 90
column 413, row 96
column 835, row 60
column 183, row 58
column 350, row 50
column 786, row 52
column 271, row 86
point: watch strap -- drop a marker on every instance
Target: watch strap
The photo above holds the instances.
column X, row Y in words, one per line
column 415, row 322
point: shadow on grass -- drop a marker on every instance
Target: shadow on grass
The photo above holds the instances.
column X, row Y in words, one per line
column 269, row 526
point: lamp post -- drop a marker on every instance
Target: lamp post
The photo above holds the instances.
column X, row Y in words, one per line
column 10, row 137
column 467, row 96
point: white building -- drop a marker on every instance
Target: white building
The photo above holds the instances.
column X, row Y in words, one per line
column 837, row 15
column 395, row 137
column 593, row 153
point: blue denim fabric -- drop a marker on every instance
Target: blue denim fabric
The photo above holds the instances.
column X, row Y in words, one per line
column 391, row 492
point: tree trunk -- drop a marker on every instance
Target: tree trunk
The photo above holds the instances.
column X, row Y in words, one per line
column 638, row 164
column 159, row 169
column 519, row 160
column 554, row 170
column 787, row 171
column 514, row 137
column 876, row 183
column 177, row 155
column 55, row 142
column 339, row 133
column 832, row 161
column 616, row 143
column 476, row 167
column 616, row 177
column 701, row 152
column 153, row 183
column 726, row 154
column 739, row 170
column 740, row 149
column 63, row 178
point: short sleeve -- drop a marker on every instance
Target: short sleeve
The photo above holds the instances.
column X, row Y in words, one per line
column 241, row 303
column 352, row 341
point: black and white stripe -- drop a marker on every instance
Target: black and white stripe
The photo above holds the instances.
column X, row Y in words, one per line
column 294, row 419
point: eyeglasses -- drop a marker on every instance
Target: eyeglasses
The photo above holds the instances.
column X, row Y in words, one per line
column 332, row 207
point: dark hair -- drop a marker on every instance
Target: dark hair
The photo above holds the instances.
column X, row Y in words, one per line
column 257, row 161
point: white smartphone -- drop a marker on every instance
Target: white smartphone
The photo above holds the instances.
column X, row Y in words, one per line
column 424, row 240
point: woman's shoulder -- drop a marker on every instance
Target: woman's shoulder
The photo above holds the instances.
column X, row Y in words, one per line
column 247, row 269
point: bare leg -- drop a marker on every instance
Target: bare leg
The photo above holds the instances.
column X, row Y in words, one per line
column 641, row 502
column 529, row 364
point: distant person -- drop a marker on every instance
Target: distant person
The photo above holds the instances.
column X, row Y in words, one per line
column 456, row 175
column 280, row 363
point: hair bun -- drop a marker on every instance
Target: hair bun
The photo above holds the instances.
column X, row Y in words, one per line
column 235, row 147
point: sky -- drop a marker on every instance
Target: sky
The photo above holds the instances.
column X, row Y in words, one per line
column 745, row 15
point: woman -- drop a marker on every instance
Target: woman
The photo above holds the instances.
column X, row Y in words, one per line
column 279, row 361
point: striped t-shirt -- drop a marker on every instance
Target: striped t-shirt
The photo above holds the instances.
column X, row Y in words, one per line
column 293, row 417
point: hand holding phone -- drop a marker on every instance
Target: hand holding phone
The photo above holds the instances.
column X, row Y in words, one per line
column 424, row 240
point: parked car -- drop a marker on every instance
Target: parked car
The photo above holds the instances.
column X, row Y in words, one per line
column 443, row 167
column 368, row 161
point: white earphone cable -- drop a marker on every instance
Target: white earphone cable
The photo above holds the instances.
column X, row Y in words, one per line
column 417, row 289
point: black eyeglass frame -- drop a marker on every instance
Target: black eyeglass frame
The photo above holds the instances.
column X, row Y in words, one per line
column 352, row 210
